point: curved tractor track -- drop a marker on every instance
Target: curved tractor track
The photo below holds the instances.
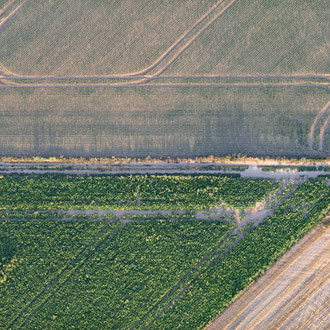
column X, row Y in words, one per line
column 161, row 64
column 322, row 133
column 317, row 120
column 12, row 14
column 158, row 61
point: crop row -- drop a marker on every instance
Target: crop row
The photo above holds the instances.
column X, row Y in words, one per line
column 44, row 248
column 127, row 275
column 152, row 192
column 216, row 288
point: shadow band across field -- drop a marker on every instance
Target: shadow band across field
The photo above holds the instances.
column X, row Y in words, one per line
column 160, row 121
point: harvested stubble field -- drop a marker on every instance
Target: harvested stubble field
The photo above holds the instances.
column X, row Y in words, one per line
column 3, row 3
column 292, row 294
column 263, row 37
column 251, row 37
column 160, row 121
column 97, row 273
column 87, row 37
column 112, row 95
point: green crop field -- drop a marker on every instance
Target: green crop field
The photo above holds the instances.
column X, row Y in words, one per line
column 263, row 37
column 137, row 265
column 118, row 208
column 143, row 192
column 38, row 253
column 159, row 121
column 97, row 273
column 215, row 289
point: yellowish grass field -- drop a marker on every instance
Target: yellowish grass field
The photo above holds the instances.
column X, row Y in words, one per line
column 159, row 121
column 85, row 37
column 263, row 37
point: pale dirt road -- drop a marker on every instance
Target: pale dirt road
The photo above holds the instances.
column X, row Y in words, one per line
column 293, row 294
column 12, row 14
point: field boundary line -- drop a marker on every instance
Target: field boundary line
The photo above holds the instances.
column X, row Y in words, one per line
column 317, row 119
column 291, row 259
column 226, row 250
column 273, row 279
column 142, row 84
column 322, row 133
column 72, row 263
column 212, row 257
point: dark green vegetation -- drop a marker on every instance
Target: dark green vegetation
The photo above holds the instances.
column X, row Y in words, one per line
column 295, row 168
column 130, row 192
column 159, row 121
column 107, row 273
column 216, row 287
column 46, row 215
column 43, row 251
column 128, row 271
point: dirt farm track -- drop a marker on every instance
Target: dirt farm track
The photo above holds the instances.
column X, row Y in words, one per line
column 293, row 294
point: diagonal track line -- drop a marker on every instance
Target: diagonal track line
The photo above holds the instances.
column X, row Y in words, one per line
column 196, row 268
column 8, row 6
column 172, row 47
column 11, row 15
column 72, row 266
